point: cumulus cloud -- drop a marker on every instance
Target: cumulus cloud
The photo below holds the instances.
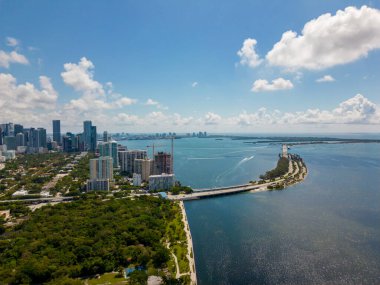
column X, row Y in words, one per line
column 248, row 55
column 178, row 120
column 26, row 96
column 80, row 76
column 325, row 78
column 151, row 102
column 212, row 118
column 329, row 40
column 356, row 110
column 6, row 58
column 262, row 85
column 126, row 119
column 12, row 42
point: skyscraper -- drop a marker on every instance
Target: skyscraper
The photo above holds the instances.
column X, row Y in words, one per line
column 127, row 159
column 87, row 134
column 106, row 137
column 144, row 167
column 163, row 163
column 20, row 139
column 57, row 131
column 109, row 149
column 101, row 168
column 18, row 129
column 93, row 138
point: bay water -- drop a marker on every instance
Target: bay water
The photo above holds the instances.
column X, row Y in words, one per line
column 325, row 230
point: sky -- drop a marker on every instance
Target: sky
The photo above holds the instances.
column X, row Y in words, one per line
column 184, row 66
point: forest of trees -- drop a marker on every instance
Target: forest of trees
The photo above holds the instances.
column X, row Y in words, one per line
column 281, row 169
column 89, row 236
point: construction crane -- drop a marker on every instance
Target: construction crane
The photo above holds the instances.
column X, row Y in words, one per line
column 172, row 150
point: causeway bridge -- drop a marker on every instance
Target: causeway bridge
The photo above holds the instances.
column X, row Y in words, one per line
column 210, row 192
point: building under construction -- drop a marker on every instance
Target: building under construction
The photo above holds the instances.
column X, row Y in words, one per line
column 163, row 163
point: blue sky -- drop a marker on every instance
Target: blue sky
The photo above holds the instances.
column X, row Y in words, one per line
column 143, row 66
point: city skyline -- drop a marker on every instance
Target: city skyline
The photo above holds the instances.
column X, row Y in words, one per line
column 185, row 67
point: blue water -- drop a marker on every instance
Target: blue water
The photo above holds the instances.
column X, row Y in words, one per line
column 325, row 230
column 201, row 163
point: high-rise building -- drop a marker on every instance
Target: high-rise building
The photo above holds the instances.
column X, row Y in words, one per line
column 101, row 168
column 20, row 139
column 42, row 142
column 162, row 163
column 106, row 137
column 10, row 142
column 109, row 149
column 18, row 129
column 93, row 138
column 8, row 129
column 35, row 138
column 80, row 142
column 87, row 134
column 1, row 136
column 144, row 167
column 128, row 157
column 57, row 131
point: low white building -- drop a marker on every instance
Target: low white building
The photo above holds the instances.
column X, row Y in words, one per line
column 20, row 193
column 45, row 194
column 7, row 155
column 161, row 182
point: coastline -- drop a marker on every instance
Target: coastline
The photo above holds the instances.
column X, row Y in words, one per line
column 190, row 248
column 293, row 176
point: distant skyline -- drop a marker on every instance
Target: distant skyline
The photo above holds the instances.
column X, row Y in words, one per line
column 179, row 66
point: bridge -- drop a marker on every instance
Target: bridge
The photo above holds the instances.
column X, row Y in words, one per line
column 299, row 168
column 204, row 193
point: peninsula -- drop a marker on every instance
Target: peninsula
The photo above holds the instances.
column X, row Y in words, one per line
column 290, row 170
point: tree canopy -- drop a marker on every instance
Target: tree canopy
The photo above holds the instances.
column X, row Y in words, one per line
column 86, row 237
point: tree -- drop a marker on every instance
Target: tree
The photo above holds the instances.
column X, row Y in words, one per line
column 138, row 277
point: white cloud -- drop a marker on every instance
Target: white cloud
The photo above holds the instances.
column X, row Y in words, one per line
column 81, row 77
column 212, row 118
column 262, row 85
column 26, row 96
column 178, row 120
column 125, row 101
column 194, row 84
column 326, row 78
column 356, row 110
column 25, row 103
column 248, row 55
column 126, row 119
column 6, row 58
column 329, row 40
column 151, row 102
column 12, row 42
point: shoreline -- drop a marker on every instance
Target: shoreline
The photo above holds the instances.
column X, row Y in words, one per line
column 190, row 248
column 293, row 176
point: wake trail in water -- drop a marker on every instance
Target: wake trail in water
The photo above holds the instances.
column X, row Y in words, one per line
column 232, row 169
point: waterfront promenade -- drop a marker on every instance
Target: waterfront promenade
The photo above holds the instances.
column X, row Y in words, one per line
column 296, row 169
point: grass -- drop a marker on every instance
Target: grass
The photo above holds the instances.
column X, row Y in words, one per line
column 107, row 278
